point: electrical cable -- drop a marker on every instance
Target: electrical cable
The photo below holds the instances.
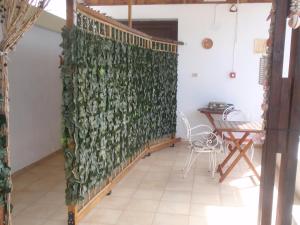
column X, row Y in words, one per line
column 235, row 36
column 215, row 15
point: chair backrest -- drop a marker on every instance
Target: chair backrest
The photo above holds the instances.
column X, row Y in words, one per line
column 209, row 140
column 236, row 115
column 186, row 124
column 193, row 132
column 226, row 112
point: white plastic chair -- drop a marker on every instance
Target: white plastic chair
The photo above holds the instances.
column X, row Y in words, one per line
column 231, row 114
column 201, row 140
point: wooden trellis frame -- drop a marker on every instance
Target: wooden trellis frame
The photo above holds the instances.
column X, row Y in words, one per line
column 114, row 30
column 119, row 32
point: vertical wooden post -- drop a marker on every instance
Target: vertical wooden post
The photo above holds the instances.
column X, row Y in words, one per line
column 110, row 32
column 289, row 157
column 1, row 215
column 71, row 10
column 130, row 13
column 72, row 215
column 70, row 21
column 274, row 117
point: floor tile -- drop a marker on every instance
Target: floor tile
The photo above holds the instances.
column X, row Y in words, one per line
column 55, row 222
column 105, row 216
column 198, row 210
column 55, row 198
column 153, row 184
column 203, row 198
column 207, row 188
column 142, row 205
column 27, row 197
column 170, row 219
column 146, row 193
column 120, row 191
column 21, row 220
column 194, row 220
column 160, row 176
column 160, row 168
column 176, row 186
column 136, row 218
column 111, row 202
column 39, row 211
column 177, row 196
column 174, row 208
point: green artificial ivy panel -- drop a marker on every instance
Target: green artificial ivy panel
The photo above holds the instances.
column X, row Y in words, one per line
column 116, row 99
column 5, row 170
column 5, row 184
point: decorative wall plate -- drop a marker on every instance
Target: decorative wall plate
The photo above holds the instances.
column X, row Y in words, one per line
column 233, row 8
column 207, row 43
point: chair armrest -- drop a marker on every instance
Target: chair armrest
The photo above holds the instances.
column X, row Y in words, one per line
column 210, row 139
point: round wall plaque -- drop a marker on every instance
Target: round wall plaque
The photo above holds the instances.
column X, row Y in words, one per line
column 207, row 43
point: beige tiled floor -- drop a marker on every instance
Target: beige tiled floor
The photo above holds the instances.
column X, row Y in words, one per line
column 38, row 194
column 153, row 193
column 296, row 211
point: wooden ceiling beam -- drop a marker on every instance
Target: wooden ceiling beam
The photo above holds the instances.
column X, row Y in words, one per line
column 156, row 2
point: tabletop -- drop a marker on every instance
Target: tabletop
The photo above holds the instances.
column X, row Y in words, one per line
column 211, row 111
column 238, row 126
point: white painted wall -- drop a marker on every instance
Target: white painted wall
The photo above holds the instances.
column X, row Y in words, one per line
column 196, row 22
column 57, row 8
column 35, row 97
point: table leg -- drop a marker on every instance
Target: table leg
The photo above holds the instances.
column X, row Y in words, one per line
column 211, row 120
column 230, row 168
column 234, row 149
column 248, row 161
column 220, row 167
column 243, row 151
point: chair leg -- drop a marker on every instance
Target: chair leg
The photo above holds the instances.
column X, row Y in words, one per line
column 191, row 162
column 209, row 162
column 226, row 146
column 220, row 155
column 217, row 160
column 252, row 152
column 187, row 159
column 188, row 163
column 222, row 152
column 214, row 163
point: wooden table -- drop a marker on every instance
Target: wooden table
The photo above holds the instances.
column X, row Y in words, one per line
column 209, row 114
column 241, row 144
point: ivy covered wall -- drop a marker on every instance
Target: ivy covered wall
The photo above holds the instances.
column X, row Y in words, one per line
column 116, row 99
